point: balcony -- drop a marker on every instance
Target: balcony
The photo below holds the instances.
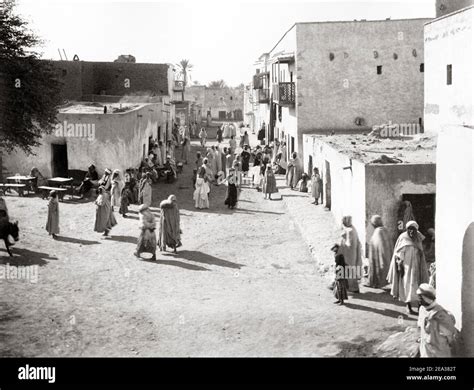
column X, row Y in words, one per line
column 260, row 80
column 263, row 95
column 284, row 93
column 178, row 86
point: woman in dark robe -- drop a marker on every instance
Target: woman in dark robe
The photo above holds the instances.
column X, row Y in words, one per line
column 90, row 180
column 231, row 194
column 104, row 216
column 170, row 231
column 219, row 135
column 245, row 155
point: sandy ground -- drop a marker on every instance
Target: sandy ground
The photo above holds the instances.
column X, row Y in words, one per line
column 243, row 284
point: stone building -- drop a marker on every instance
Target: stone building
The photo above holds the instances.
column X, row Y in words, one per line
column 448, row 112
column 358, row 181
column 220, row 104
column 84, row 134
column 138, row 102
column 341, row 76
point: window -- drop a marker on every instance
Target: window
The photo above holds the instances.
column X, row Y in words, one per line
column 379, row 69
column 449, row 74
column 422, row 68
column 231, row 98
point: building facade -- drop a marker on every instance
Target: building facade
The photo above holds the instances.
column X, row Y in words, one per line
column 328, row 76
column 448, row 112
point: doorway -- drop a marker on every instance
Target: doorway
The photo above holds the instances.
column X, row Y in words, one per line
column 423, row 206
column 222, row 115
column 60, row 165
column 327, row 187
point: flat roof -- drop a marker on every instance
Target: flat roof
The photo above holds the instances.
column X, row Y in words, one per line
column 427, row 19
column 98, row 108
column 450, row 14
column 419, row 149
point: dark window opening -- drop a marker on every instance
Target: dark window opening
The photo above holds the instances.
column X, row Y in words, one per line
column 422, row 68
column 379, row 69
column 449, row 74
column 231, row 98
column 64, row 72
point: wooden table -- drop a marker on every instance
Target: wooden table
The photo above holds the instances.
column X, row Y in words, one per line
column 62, row 182
column 27, row 180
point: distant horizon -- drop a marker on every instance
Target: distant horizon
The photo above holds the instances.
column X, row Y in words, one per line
column 222, row 40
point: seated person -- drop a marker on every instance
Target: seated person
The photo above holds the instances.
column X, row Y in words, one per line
column 40, row 180
column 91, row 179
column 302, row 185
column 170, row 169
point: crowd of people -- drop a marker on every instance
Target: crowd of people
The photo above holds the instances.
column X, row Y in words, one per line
column 407, row 268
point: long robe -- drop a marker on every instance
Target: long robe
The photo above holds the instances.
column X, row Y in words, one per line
column 269, row 183
column 351, row 249
column 231, row 195
column 145, row 192
column 201, row 194
column 245, row 156
column 116, row 190
column 315, row 186
column 283, row 160
column 380, row 254
column 104, row 216
column 407, row 255
column 147, row 238
column 52, row 224
column 437, row 331
column 170, row 233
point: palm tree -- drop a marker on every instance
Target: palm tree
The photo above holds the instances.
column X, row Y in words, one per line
column 217, row 84
column 184, row 70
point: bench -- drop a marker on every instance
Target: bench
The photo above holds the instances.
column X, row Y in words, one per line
column 59, row 190
column 19, row 187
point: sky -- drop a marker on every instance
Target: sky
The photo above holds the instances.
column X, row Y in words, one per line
column 222, row 39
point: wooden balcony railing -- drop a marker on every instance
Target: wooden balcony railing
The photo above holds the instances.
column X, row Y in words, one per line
column 284, row 93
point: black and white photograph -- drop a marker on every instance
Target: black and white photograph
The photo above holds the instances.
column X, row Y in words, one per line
column 237, row 179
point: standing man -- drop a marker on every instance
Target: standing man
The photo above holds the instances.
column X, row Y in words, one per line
column 408, row 268
column 170, row 231
column 437, row 330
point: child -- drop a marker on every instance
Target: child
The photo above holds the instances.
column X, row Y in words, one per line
column 147, row 238
column 269, row 183
column 52, row 224
column 302, row 185
column 203, row 136
column 340, row 281
column 231, row 194
column 316, row 186
column 125, row 200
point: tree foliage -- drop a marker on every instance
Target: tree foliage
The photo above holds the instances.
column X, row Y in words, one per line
column 29, row 87
column 217, row 84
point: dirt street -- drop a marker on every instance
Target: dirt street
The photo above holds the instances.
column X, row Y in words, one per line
column 243, row 284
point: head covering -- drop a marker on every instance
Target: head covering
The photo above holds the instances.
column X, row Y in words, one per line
column 108, row 171
column 376, row 220
column 52, row 193
column 412, row 224
column 347, row 220
column 143, row 207
column 335, row 246
column 426, row 291
column 172, row 198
